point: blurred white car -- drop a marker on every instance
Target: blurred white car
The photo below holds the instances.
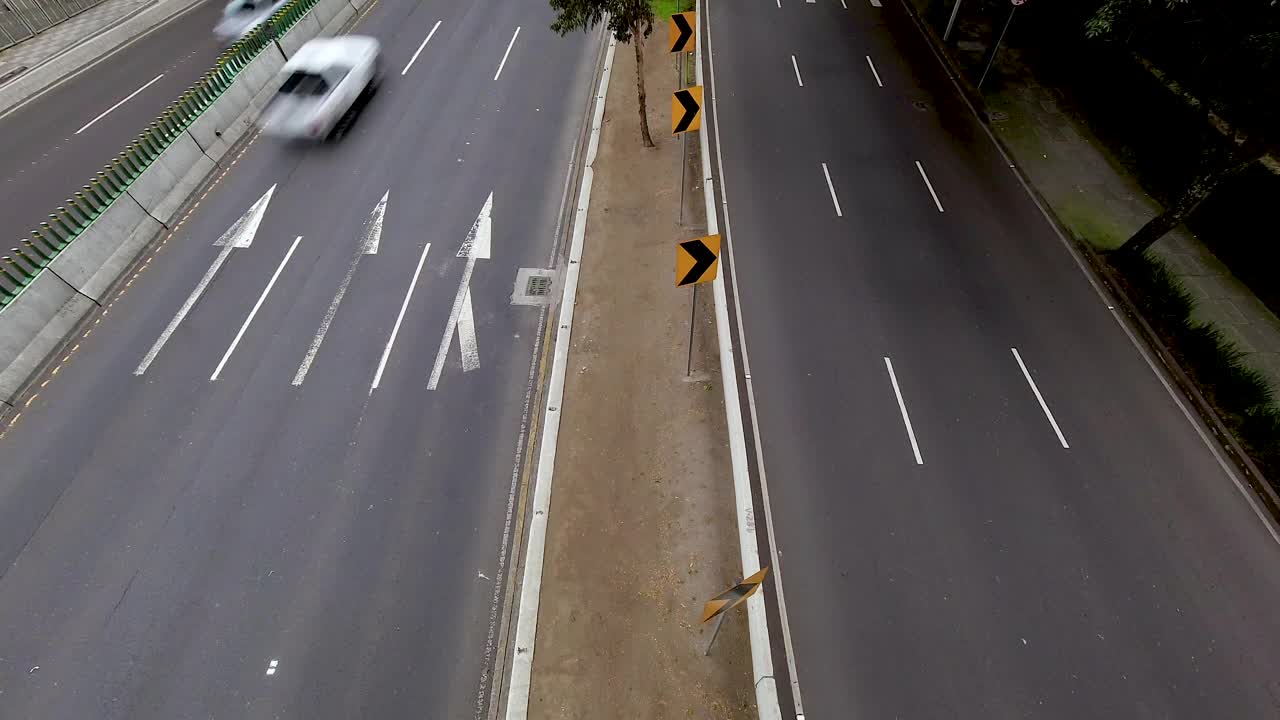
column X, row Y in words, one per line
column 323, row 83
column 240, row 17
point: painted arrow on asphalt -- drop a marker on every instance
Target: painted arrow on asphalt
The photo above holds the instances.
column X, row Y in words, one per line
column 686, row 110
column 477, row 246
column 697, row 261
column 239, row 235
column 680, row 32
column 369, row 242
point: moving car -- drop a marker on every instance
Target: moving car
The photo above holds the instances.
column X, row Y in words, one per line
column 240, row 17
column 323, row 85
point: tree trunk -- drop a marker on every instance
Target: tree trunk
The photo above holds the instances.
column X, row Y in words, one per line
column 637, row 39
column 1195, row 193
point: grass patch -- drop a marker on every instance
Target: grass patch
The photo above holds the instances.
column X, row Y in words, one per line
column 663, row 9
column 1241, row 395
column 1091, row 223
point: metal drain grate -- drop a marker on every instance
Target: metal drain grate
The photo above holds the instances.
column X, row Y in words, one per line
column 533, row 286
column 539, row 286
column 998, row 116
column 920, row 105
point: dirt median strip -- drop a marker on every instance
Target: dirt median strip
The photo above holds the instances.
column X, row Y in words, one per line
column 641, row 528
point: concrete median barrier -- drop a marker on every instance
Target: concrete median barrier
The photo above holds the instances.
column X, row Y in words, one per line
column 299, row 34
column 163, row 188
column 341, row 16
column 106, row 248
column 33, row 326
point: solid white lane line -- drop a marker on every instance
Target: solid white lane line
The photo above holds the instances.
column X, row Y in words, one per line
column 256, row 306
column 368, row 246
column 875, row 3
column 391, row 341
column 111, row 109
column 239, row 235
column 834, row 200
column 418, row 52
column 902, row 405
column 1043, row 405
column 505, row 54
column 936, row 201
column 796, row 67
column 874, row 72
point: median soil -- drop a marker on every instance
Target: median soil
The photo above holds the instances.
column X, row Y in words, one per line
column 642, row 528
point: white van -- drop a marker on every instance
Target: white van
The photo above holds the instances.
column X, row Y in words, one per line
column 320, row 85
column 240, row 17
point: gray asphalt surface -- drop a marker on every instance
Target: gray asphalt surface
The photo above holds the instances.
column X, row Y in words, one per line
column 1007, row 576
column 165, row 537
column 43, row 159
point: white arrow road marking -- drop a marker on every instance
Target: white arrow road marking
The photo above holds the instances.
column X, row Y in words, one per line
column 256, row 306
column 239, row 235
column 386, row 353
column 368, row 246
column 478, row 245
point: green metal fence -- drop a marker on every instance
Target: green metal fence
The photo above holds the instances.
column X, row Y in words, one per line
column 21, row 266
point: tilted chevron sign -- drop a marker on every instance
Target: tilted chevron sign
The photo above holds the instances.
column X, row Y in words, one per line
column 686, row 110
column 697, row 261
column 680, row 32
column 734, row 596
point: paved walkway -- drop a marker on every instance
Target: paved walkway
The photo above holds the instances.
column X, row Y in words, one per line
column 69, row 33
column 1099, row 201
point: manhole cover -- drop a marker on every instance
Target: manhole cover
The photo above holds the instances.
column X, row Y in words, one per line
column 920, row 105
column 7, row 74
column 533, row 286
column 998, row 116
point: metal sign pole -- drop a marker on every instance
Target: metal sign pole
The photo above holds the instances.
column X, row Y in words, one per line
column 952, row 22
column 715, row 633
column 996, row 50
column 693, row 314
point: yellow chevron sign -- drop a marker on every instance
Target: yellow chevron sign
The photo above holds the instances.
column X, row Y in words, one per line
column 734, row 596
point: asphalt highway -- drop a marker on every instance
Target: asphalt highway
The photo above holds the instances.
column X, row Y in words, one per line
column 986, row 503
column 206, row 530
column 52, row 145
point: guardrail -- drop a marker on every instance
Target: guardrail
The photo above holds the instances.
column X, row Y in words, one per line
column 69, row 221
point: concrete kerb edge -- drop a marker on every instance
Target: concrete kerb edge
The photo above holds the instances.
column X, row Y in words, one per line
column 768, row 705
column 58, row 68
column 562, row 239
column 1109, row 286
column 520, row 679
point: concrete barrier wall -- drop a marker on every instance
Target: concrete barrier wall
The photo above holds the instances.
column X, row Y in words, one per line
column 306, row 29
column 101, row 253
column 164, row 187
column 42, row 317
column 33, row 326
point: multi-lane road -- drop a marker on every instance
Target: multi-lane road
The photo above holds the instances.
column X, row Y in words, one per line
column 282, row 488
column 55, row 142
column 985, row 502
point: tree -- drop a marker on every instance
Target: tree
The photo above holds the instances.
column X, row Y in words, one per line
column 629, row 21
column 1228, row 51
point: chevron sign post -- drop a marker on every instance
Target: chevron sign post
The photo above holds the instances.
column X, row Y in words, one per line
column 720, row 605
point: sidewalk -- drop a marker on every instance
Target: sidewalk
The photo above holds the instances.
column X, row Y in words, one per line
column 1099, row 201
column 641, row 529
column 1094, row 195
column 71, row 32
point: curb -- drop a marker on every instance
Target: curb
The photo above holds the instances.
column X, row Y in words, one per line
column 1104, row 277
column 55, row 70
column 768, row 706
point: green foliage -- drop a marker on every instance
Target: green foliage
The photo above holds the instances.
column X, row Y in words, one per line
column 626, row 18
column 1115, row 15
column 1241, row 395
